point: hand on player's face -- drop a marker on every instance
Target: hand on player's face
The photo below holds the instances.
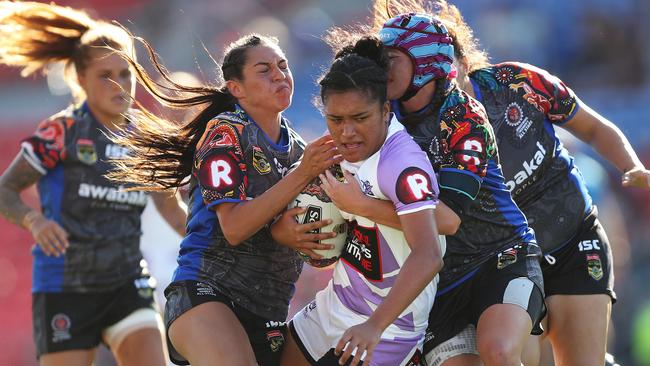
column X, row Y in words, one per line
column 319, row 155
column 362, row 339
column 637, row 177
column 288, row 232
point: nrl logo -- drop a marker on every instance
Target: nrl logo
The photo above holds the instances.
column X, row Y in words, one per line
column 86, row 151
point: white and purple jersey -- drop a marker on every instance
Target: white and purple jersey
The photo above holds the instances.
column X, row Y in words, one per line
column 373, row 256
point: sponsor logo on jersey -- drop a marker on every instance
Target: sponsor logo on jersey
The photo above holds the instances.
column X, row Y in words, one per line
column 529, row 167
column 86, row 151
column 594, row 266
column 115, row 151
column 366, row 187
column 514, row 117
column 413, row 185
column 221, row 174
column 112, row 194
column 310, row 307
column 362, row 251
column 282, row 170
column 513, row 114
column 589, row 245
column 260, row 162
column 60, row 324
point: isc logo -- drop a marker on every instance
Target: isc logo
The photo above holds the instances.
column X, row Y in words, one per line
column 589, row 245
column 313, row 214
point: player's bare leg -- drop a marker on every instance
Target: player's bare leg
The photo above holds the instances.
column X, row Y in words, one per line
column 501, row 333
column 68, row 358
column 210, row 332
column 291, row 354
column 578, row 337
column 464, row 360
column 141, row 347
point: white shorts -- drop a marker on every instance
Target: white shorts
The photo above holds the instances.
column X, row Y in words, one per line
column 317, row 332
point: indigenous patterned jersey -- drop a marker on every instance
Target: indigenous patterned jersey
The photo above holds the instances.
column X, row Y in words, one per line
column 523, row 104
column 235, row 161
column 374, row 253
column 72, row 152
column 461, row 146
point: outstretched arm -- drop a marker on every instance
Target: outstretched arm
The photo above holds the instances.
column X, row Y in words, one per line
column 610, row 143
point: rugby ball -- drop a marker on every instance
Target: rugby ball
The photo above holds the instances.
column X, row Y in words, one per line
column 320, row 207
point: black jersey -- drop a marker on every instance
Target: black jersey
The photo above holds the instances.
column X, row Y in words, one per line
column 461, row 146
column 72, row 151
column 524, row 104
column 235, row 161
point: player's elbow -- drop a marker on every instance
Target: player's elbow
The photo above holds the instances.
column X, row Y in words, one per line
column 429, row 258
column 437, row 265
column 448, row 225
column 232, row 235
column 233, row 239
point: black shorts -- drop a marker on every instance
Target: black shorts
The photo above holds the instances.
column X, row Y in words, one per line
column 513, row 276
column 584, row 265
column 65, row 321
column 267, row 336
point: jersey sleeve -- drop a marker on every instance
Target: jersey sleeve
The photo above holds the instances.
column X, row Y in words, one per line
column 551, row 95
column 469, row 141
column 46, row 147
column 219, row 164
column 405, row 176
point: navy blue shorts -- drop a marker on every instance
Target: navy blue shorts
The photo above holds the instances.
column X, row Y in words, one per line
column 267, row 336
column 65, row 321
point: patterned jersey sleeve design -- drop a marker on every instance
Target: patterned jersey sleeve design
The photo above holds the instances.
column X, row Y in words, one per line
column 467, row 138
column 219, row 164
column 46, row 148
column 541, row 89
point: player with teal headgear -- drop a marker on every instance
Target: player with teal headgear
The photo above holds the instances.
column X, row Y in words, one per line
column 426, row 41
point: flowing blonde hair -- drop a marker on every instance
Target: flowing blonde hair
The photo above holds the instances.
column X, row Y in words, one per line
column 35, row 35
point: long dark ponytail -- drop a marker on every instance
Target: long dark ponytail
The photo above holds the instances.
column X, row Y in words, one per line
column 162, row 152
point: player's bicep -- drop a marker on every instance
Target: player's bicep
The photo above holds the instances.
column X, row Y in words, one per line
column 584, row 124
column 224, row 211
column 419, row 229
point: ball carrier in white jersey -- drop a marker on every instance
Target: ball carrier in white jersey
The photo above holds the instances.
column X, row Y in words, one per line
column 376, row 305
